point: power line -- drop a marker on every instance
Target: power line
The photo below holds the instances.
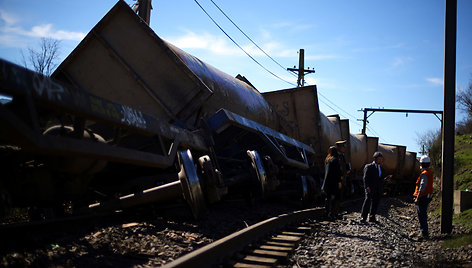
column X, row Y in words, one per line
column 248, row 37
column 349, row 115
column 203, row 9
column 240, row 46
column 373, row 131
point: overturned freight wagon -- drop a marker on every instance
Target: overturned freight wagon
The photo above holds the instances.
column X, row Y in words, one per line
column 128, row 119
column 123, row 60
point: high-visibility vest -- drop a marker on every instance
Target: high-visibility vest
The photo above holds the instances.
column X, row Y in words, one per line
column 428, row 173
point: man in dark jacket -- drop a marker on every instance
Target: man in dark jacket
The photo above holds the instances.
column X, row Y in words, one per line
column 374, row 175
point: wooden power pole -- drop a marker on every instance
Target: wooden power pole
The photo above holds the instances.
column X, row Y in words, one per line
column 447, row 171
column 301, row 69
column 143, row 9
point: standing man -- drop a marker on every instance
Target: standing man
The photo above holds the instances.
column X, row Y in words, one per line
column 374, row 175
column 423, row 194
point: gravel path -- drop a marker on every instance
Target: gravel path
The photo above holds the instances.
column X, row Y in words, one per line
column 392, row 242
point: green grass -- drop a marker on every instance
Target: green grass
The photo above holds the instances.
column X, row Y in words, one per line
column 455, row 241
column 463, row 162
column 462, row 181
column 465, row 218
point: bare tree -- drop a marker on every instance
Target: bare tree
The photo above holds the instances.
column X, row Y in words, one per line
column 464, row 99
column 43, row 60
column 430, row 142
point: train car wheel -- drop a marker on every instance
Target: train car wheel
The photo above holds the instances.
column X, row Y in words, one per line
column 304, row 184
column 191, row 184
column 260, row 172
column 212, row 184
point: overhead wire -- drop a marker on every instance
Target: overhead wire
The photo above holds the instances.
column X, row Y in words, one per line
column 349, row 115
column 240, row 46
column 235, row 25
column 257, row 62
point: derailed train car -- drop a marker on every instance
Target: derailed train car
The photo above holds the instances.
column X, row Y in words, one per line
column 300, row 108
column 128, row 119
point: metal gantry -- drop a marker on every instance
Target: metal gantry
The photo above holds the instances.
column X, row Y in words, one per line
column 373, row 110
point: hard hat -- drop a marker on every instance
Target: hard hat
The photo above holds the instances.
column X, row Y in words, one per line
column 425, row 159
column 341, row 143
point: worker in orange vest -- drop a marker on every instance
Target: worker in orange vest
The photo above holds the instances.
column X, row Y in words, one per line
column 423, row 194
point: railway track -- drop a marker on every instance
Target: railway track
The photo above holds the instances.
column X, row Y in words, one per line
column 264, row 244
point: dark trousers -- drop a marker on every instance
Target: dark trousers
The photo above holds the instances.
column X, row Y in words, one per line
column 370, row 205
column 422, row 209
column 330, row 205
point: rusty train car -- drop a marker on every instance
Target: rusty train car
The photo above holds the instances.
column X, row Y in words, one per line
column 128, row 119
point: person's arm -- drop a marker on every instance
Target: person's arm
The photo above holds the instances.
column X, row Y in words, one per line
column 366, row 178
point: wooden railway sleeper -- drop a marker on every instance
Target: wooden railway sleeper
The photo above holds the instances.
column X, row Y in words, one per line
column 273, row 251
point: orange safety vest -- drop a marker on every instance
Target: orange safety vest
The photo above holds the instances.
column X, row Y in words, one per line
column 429, row 183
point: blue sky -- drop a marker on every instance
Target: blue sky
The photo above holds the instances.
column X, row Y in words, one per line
column 375, row 54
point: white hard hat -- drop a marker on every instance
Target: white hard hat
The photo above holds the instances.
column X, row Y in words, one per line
column 425, row 159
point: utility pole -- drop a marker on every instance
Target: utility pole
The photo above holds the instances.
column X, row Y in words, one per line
column 447, row 170
column 143, row 9
column 301, row 69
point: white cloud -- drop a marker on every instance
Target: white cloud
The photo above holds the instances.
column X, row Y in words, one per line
column 206, row 41
column 8, row 19
column 435, row 81
column 221, row 45
column 13, row 35
column 47, row 30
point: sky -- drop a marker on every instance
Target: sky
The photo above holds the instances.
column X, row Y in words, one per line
column 366, row 53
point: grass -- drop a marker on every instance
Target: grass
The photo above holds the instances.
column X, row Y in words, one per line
column 462, row 181
column 457, row 241
column 463, row 162
column 465, row 218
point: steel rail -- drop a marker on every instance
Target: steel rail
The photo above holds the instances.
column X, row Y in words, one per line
column 216, row 252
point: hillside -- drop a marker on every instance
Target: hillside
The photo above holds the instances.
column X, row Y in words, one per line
column 463, row 162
